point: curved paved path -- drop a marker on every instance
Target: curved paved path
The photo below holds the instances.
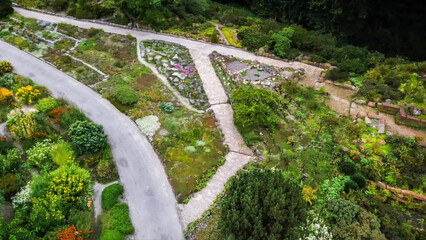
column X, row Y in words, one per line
column 152, row 204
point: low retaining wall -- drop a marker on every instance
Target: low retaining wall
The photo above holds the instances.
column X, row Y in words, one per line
column 405, row 119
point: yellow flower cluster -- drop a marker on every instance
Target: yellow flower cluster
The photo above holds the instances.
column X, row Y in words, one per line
column 27, row 94
column 5, row 96
column 62, row 193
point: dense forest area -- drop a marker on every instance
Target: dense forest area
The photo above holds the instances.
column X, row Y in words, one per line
column 391, row 27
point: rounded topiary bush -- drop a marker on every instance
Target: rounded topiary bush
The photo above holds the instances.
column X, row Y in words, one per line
column 110, row 195
column 46, row 104
column 126, row 95
column 351, row 185
column 111, row 235
column 348, row 168
column 87, row 136
column 262, row 204
column 359, row 179
column 5, row 67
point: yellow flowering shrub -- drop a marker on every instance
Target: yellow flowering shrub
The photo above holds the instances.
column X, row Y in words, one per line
column 63, row 190
column 22, row 126
column 6, row 96
column 27, row 94
column 309, row 194
column 5, row 67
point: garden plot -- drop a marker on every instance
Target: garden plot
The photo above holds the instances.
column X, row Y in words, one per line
column 233, row 71
column 190, row 145
column 174, row 61
column 47, row 170
column 47, row 41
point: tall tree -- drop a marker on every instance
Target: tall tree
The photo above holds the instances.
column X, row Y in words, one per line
column 5, row 8
column 262, row 204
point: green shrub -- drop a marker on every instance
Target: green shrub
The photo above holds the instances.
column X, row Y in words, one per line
column 40, row 153
column 167, row 107
column 121, row 219
column 5, row 67
column 255, row 107
column 9, row 184
column 92, row 159
column 62, row 153
column 110, row 195
column 87, row 44
column 348, row 168
column 251, row 38
column 126, row 94
column 12, row 162
column 255, row 203
column 94, row 31
column 111, row 235
column 46, row 104
column 87, row 136
column 351, row 185
column 81, row 219
column 338, row 75
column 71, row 116
column 214, row 38
column 281, row 41
column 359, row 179
column 7, row 80
column 106, row 171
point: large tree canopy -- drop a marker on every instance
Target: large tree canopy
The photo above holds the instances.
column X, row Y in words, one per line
column 262, row 204
column 5, row 7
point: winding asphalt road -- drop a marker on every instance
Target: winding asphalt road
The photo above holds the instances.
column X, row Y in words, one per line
column 152, row 204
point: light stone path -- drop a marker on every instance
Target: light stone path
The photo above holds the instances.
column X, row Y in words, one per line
column 183, row 100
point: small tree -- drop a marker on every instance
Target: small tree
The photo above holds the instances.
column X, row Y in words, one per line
column 263, row 205
column 87, row 136
column 282, row 41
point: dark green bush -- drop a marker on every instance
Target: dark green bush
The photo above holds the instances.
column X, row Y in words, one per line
column 94, row 31
column 111, row 235
column 71, row 116
column 106, row 171
column 338, row 75
column 121, row 220
column 9, row 184
column 110, row 195
column 126, row 94
column 251, row 38
column 255, row 203
column 348, row 168
column 351, row 185
column 87, row 136
column 359, row 179
column 255, row 107
column 5, row 8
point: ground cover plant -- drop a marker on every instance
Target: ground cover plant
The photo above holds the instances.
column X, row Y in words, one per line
column 349, row 174
column 189, row 144
column 44, row 175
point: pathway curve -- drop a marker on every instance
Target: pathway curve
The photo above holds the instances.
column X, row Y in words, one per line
column 98, row 188
column 214, row 90
column 152, row 204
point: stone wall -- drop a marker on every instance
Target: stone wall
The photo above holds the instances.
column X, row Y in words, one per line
column 405, row 119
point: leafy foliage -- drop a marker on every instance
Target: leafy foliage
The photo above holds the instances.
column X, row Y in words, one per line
column 40, row 153
column 110, row 195
column 5, row 66
column 255, row 107
column 255, row 205
column 121, row 220
column 46, row 104
column 126, row 94
column 88, row 137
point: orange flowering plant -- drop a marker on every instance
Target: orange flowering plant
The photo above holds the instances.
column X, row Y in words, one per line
column 71, row 233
